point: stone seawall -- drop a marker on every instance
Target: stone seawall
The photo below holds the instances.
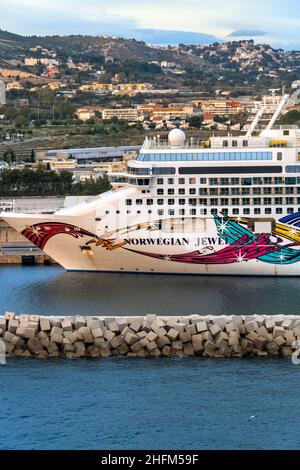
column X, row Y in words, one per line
column 150, row 336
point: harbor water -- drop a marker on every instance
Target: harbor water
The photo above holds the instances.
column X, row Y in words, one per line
column 143, row 404
column 176, row 403
column 49, row 290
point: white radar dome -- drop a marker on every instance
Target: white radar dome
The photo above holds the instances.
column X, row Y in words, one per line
column 176, row 137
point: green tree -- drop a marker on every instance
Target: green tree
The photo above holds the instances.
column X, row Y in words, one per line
column 9, row 156
column 32, row 156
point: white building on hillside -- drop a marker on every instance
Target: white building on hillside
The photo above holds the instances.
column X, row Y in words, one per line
column 2, row 93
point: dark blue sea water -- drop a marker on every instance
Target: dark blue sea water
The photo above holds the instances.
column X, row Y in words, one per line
column 141, row 404
column 51, row 290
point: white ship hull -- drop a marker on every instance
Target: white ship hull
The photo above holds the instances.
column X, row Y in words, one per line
column 79, row 248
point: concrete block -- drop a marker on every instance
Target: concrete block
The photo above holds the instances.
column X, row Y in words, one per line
column 287, row 324
column 34, row 318
column 167, row 351
column 270, row 325
column 242, row 330
column 279, row 340
column 93, row 351
column 55, row 322
column 67, row 325
column 188, row 349
column 185, row 337
column 210, row 345
column 109, row 335
column 172, row 322
column 191, row 329
column 114, row 326
column 52, row 349
column 80, row 349
column 215, row 329
column 173, row 334
column 2, row 323
column 131, row 338
column 289, row 338
column 137, row 324
column 197, row 343
column 247, row 345
column 28, row 333
column 163, row 341
column 142, row 334
column 9, row 315
column 137, row 347
column 157, row 326
column 69, row 348
column 151, row 336
column 278, row 331
column 201, row 327
column 279, row 319
column 79, row 322
column 287, row 351
column 251, row 326
column 180, row 327
column 45, row 324
column 221, row 322
column 177, row 346
column 263, row 332
column 56, row 338
column 231, row 327
column 56, row 330
column 13, row 325
column 148, row 321
column 105, row 351
column 123, row 349
column 97, row 332
column 252, row 336
column 71, row 335
column 94, row 324
column 260, row 343
column 24, row 317
column 151, row 346
column 117, row 341
column 35, row 346
column 8, row 337
column 155, row 353
column 233, row 338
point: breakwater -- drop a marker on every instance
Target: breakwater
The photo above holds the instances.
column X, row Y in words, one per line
column 150, row 336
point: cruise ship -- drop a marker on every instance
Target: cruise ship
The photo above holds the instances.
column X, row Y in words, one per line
column 224, row 206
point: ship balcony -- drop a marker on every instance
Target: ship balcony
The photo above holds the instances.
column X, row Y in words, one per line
column 129, row 179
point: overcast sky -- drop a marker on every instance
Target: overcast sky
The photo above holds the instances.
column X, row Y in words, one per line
column 159, row 21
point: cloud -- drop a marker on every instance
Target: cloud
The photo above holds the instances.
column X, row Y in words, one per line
column 247, row 33
column 165, row 37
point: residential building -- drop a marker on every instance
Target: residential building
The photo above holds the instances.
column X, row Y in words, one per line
column 220, row 107
column 124, row 114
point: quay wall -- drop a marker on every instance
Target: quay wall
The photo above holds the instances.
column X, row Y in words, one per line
column 150, row 336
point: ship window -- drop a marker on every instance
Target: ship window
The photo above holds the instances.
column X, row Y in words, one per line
column 203, row 202
column 117, row 212
column 236, row 211
column 160, row 192
column 214, row 202
column 149, row 202
column 286, row 132
column 160, row 181
column 193, row 212
column 204, row 192
column 160, row 212
column 192, row 181
column 203, row 180
column 267, row 180
column 245, row 143
column 246, row 181
column 225, row 143
column 160, row 202
column 279, row 210
column 234, row 181
column 138, row 212
column 128, row 202
column 257, row 211
column 290, row 210
column 171, row 192
column 181, row 211
column 290, row 181
column 128, row 212
column 192, row 191
column 170, row 180
column 279, row 156
column 182, row 202
column 139, row 202
column 203, row 211
column 171, row 212
column 267, row 191
column 289, row 200
column 268, row 211
column 214, row 211
column 267, row 201
column 233, row 170
column 224, row 202
column 234, row 143
column 149, row 212
column 181, row 180
column 181, row 191
column 192, row 202
column 163, row 171
column 171, row 202
column 246, row 211
column 235, row 202
column 107, row 212
column 225, row 211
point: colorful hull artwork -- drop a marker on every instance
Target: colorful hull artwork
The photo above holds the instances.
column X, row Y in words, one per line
column 242, row 245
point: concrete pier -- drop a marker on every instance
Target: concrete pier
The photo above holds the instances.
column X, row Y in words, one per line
column 150, row 336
